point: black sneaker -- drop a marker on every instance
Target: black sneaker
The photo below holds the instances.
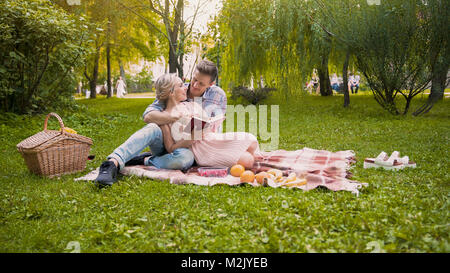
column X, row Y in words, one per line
column 107, row 174
column 138, row 160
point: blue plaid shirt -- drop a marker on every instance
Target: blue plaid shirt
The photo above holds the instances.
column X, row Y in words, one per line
column 214, row 102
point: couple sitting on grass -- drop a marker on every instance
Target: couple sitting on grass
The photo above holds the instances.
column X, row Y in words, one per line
column 175, row 105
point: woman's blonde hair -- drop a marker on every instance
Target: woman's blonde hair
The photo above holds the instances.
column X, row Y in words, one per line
column 164, row 85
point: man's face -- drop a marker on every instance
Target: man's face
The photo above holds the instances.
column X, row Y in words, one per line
column 200, row 82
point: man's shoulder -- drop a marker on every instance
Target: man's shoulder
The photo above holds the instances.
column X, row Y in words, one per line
column 155, row 105
column 157, row 102
column 216, row 91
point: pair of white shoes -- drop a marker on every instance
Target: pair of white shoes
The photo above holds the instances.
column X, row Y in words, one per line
column 393, row 162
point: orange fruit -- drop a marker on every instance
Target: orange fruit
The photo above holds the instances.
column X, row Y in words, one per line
column 237, row 170
column 260, row 177
column 247, row 176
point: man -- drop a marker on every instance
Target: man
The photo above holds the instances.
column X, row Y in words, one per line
column 334, row 83
column 202, row 89
column 354, row 82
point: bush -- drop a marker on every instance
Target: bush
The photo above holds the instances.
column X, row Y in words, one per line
column 41, row 46
column 142, row 82
column 253, row 96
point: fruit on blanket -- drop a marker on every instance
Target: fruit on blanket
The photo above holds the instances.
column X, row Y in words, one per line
column 291, row 177
column 276, row 173
column 260, row 177
column 68, row 130
column 237, row 170
column 296, row 182
column 247, row 176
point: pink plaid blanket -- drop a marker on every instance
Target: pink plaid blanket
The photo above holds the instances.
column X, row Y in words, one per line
column 320, row 168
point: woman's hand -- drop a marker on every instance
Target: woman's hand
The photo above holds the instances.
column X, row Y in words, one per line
column 175, row 116
column 185, row 143
column 169, row 143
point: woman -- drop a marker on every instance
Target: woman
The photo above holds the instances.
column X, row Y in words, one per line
column 212, row 149
column 120, row 87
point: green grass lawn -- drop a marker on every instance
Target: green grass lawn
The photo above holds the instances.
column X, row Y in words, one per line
column 405, row 211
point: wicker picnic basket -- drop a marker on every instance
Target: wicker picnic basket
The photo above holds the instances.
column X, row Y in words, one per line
column 53, row 153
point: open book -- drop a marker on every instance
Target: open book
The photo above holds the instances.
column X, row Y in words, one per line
column 197, row 123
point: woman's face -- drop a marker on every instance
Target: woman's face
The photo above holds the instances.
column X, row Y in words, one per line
column 179, row 91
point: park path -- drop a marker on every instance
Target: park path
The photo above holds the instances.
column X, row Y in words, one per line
column 130, row 96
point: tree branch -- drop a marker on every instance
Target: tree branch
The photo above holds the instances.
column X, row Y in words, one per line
column 144, row 19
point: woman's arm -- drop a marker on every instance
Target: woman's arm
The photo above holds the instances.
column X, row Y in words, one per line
column 169, row 143
column 161, row 118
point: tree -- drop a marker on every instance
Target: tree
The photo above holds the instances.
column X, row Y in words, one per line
column 280, row 40
column 392, row 52
column 94, row 60
column 436, row 16
column 174, row 28
column 41, row 44
column 391, row 43
column 264, row 39
column 118, row 37
column 340, row 15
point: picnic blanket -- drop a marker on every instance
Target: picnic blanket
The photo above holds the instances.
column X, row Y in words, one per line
column 320, row 168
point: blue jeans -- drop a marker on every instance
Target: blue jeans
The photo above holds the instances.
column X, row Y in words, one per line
column 151, row 135
column 335, row 87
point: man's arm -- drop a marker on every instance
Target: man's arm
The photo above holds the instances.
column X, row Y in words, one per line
column 155, row 114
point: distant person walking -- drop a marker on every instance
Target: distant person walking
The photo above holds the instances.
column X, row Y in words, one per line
column 120, row 87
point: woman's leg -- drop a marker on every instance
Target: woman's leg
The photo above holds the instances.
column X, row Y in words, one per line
column 247, row 160
column 179, row 159
column 252, row 148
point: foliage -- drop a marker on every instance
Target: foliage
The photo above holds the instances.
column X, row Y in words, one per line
column 173, row 29
column 393, row 43
column 437, row 15
column 40, row 46
column 392, row 52
column 274, row 39
column 397, row 45
column 405, row 211
column 141, row 82
column 253, row 96
column 128, row 37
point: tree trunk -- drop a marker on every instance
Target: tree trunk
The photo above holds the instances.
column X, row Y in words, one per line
column 108, row 55
column 408, row 103
column 345, row 80
column 173, row 33
column 108, row 69
column 324, row 78
column 180, row 66
column 93, row 87
column 438, row 84
column 93, row 81
column 122, row 71
column 172, row 60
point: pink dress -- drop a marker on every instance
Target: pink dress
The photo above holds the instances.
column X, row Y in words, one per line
column 221, row 149
column 216, row 149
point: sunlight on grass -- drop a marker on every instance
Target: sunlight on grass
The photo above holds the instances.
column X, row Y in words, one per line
column 405, row 211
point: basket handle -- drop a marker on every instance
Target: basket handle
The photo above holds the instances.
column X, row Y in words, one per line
column 61, row 123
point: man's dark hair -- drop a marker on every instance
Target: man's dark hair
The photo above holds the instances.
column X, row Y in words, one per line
column 208, row 68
